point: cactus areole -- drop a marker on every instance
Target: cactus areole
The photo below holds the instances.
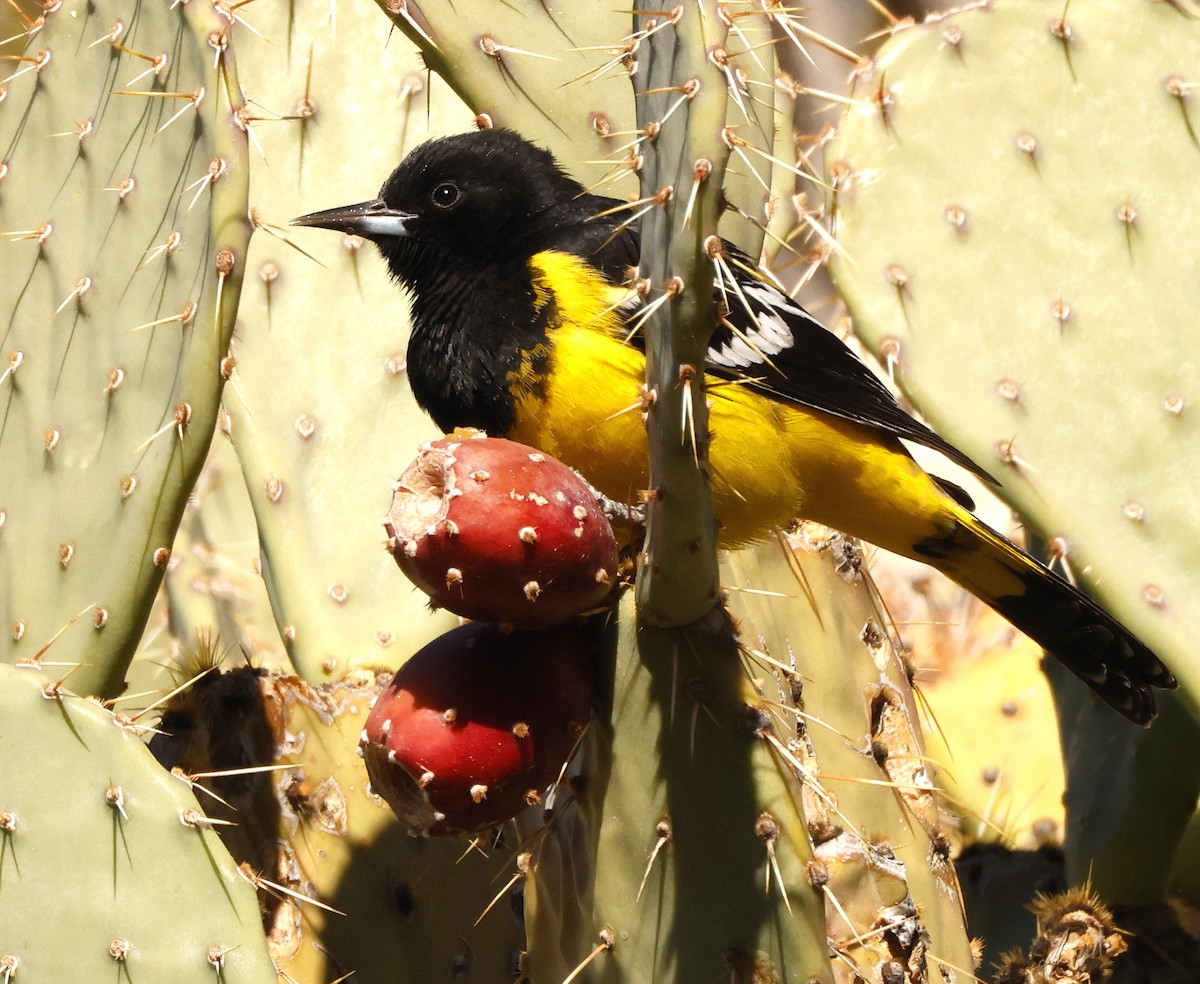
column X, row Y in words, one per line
column 497, row 531
column 475, row 725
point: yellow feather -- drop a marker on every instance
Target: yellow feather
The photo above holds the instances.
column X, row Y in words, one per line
column 771, row 462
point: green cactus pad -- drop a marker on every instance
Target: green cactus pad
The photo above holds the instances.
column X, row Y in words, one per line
column 123, row 240
column 685, row 858
column 698, row 78
column 997, row 740
column 319, row 405
column 213, row 587
column 109, row 869
column 1015, row 204
column 565, row 77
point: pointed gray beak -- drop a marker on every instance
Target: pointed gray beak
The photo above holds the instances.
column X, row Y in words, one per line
column 371, row 220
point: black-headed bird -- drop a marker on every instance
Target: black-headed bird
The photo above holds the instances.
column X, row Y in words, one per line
column 520, row 286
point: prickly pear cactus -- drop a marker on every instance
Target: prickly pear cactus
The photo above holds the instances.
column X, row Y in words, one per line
column 109, row 868
column 319, row 406
column 122, row 220
column 998, row 736
column 214, row 586
column 830, row 673
column 1011, row 242
column 791, row 792
column 1014, row 211
column 559, row 76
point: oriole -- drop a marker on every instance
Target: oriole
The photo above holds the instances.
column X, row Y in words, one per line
column 519, row 282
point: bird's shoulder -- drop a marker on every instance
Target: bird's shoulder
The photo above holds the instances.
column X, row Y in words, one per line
column 588, row 227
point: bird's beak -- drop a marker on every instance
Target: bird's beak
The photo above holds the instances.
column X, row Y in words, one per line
column 371, row 220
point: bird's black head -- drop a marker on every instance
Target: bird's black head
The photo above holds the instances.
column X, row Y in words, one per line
column 458, row 204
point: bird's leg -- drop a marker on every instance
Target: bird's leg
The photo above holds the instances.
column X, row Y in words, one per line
column 621, row 514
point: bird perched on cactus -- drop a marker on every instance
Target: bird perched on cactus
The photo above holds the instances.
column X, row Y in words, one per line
column 521, row 290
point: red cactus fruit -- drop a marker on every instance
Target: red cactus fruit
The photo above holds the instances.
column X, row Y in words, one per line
column 494, row 530
column 475, row 725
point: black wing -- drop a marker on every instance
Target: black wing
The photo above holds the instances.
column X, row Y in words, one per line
column 771, row 344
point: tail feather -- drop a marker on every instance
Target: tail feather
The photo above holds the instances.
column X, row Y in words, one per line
column 1068, row 624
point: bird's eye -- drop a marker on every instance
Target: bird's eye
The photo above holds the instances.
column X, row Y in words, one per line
column 445, row 195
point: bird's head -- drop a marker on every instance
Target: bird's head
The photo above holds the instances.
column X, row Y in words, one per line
column 457, row 202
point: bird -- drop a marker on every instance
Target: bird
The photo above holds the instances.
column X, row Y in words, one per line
column 520, row 288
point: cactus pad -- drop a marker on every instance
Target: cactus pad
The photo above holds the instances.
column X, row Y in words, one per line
column 1014, row 201
column 123, row 237
column 110, row 870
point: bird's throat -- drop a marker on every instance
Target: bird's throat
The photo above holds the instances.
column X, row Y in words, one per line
column 466, row 346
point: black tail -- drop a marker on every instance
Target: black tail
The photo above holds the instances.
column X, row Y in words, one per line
column 1097, row 648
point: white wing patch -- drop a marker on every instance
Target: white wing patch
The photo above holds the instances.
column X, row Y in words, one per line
column 762, row 331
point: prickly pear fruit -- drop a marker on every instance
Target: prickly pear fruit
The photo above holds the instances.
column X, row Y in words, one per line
column 475, row 725
column 497, row 531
